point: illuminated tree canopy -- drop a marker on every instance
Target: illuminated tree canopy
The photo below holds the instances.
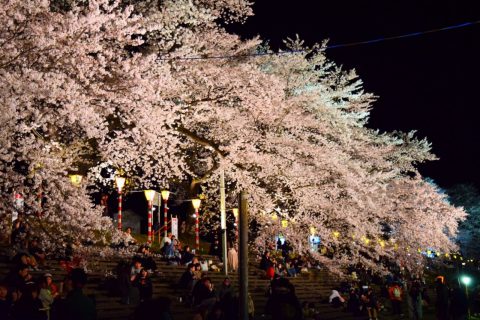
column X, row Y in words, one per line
column 90, row 84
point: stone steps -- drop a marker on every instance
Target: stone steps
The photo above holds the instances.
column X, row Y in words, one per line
column 312, row 287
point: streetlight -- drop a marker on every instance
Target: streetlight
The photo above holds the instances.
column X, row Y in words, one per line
column 120, row 182
column 76, row 179
column 196, row 205
column 165, row 194
column 150, row 195
column 466, row 280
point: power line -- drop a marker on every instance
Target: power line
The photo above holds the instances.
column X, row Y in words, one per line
column 333, row 46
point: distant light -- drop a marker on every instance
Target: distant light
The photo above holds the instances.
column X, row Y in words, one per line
column 466, row 280
column 165, row 194
column 149, row 194
column 235, row 212
column 76, row 179
column 120, row 182
column 196, row 203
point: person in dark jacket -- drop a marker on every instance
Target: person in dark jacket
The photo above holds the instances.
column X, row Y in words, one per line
column 216, row 249
column 186, row 280
column 441, row 303
column 77, row 306
column 5, row 302
column 204, row 294
column 16, row 281
column 283, row 303
column 265, row 262
column 372, row 304
column 29, row 306
column 187, row 255
column 144, row 285
column 458, row 303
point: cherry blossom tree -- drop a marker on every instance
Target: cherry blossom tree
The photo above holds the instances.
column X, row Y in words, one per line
column 467, row 196
column 139, row 86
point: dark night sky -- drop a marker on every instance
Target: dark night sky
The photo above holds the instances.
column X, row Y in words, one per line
column 428, row 83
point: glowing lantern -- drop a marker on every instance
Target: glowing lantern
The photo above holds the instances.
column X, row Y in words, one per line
column 150, row 195
column 284, row 223
column 76, row 179
column 120, row 182
column 196, row 205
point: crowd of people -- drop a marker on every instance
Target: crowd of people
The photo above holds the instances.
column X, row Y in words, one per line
column 25, row 297
column 30, row 292
column 283, row 266
column 399, row 299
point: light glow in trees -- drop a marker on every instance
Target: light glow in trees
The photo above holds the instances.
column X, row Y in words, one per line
column 108, row 83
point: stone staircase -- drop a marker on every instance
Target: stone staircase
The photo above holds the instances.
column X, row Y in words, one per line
column 312, row 287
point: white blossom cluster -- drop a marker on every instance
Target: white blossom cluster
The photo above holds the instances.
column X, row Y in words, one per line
column 105, row 85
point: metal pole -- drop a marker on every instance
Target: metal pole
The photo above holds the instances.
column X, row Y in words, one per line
column 120, row 210
column 466, row 293
column 149, row 240
column 197, row 234
column 159, row 205
column 243, row 256
column 223, row 222
column 165, row 218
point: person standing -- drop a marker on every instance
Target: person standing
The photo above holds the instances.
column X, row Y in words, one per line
column 458, row 303
column 232, row 258
column 216, row 249
column 283, row 303
column 77, row 305
column 441, row 303
column 415, row 303
column 144, row 284
column 372, row 304
column 395, row 294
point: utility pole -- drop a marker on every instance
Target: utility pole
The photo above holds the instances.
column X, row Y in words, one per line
column 243, row 256
column 223, row 222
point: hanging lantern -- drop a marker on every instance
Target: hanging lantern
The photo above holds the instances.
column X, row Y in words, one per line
column 312, row 231
column 336, row 234
column 120, row 182
column 274, row 217
column 76, row 179
column 284, row 223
